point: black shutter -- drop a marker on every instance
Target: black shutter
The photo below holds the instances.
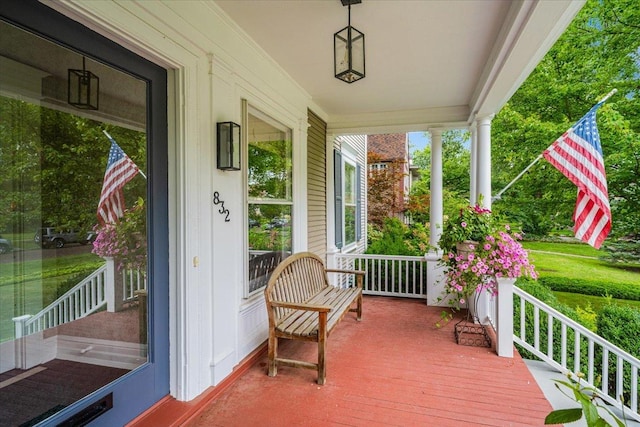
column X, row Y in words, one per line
column 337, row 188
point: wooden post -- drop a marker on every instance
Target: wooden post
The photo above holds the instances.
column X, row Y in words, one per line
column 20, row 341
column 504, row 317
column 113, row 287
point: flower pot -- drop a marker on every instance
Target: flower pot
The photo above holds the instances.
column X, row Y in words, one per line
column 466, row 247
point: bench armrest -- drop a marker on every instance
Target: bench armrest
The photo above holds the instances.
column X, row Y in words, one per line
column 359, row 274
column 300, row 306
column 333, row 270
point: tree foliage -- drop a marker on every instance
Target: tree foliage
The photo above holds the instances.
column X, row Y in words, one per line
column 53, row 166
column 385, row 190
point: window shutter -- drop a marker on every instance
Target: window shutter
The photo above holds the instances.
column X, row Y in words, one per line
column 358, row 203
column 337, row 186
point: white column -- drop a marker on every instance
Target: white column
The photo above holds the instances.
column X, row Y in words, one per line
column 483, row 164
column 436, row 204
column 473, row 166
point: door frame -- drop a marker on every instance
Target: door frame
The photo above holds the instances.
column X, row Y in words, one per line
column 138, row 390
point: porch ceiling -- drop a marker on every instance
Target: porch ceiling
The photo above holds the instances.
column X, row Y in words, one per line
column 429, row 63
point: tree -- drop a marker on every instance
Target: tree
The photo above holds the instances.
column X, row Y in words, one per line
column 385, row 194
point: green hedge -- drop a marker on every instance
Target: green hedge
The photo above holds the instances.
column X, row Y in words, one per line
column 620, row 325
column 627, row 291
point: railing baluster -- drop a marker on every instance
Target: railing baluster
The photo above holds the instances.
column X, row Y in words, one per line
column 576, row 351
column 605, row 371
column 550, row 337
column 523, row 317
column 563, row 345
column 619, row 379
column 634, row 387
column 591, row 362
column 536, row 328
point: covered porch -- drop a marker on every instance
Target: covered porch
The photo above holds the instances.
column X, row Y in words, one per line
column 396, row 367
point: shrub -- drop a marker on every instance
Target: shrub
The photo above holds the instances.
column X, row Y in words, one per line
column 627, row 291
column 620, row 325
column 395, row 238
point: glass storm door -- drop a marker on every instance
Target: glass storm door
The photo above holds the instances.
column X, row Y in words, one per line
column 83, row 224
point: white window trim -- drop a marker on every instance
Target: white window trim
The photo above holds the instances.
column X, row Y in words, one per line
column 348, row 156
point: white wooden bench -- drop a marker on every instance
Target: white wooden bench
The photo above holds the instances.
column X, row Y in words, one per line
column 302, row 305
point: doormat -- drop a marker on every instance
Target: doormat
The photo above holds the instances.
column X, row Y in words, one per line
column 43, row 416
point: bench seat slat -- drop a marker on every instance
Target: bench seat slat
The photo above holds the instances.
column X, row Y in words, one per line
column 305, row 323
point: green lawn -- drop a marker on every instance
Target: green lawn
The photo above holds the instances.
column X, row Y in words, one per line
column 29, row 286
column 576, row 261
column 579, row 261
column 579, row 300
column 565, row 248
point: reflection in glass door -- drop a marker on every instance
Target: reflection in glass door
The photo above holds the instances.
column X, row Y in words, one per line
column 73, row 226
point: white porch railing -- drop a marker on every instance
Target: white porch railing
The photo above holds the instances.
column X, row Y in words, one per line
column 570, row 347
column 83, row 299
column 105, row 287
column 389, row 275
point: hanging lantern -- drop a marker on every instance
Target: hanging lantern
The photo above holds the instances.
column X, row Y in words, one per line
column 83, row 88
column 348, row 50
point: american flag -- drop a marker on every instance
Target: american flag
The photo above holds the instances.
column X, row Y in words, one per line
column 120, row 170
column 578, row 155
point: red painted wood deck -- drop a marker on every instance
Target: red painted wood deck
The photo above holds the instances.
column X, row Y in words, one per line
column 395, row 368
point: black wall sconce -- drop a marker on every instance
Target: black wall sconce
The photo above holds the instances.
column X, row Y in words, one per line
column 348, row 51
column 83, row 88
column 228, row 146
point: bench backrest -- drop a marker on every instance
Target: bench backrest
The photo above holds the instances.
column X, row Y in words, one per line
column 296, row 279
column 261, row 267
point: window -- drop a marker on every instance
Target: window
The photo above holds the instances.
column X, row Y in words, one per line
column 350, row 199
column 374, row 167
column 269, row 196
column 347, row 183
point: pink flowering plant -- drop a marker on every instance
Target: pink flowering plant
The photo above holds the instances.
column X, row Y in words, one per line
column 125, row 241
column 498, row 253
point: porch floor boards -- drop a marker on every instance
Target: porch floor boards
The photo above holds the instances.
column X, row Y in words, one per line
column 395, row 368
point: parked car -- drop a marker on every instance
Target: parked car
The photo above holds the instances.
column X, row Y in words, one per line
column 50, row 237
column 277, row 223
column 5, row 245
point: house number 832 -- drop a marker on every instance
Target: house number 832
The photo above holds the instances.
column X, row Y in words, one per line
column 222, row 211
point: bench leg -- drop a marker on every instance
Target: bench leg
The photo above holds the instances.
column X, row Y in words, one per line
column 273, row 354
column 322, row 341
column 359, row 309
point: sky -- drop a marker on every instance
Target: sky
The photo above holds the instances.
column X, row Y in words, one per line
column 417, row 141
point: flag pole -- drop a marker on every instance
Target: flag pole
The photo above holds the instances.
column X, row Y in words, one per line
column 607, row 96
column 497, row 196
column 113, row 140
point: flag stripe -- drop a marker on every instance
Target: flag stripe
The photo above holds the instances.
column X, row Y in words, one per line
column 120, row 170
column 571, row 164
column 584, row 154
column 578, row 155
